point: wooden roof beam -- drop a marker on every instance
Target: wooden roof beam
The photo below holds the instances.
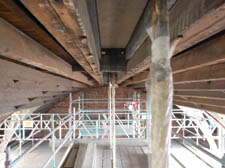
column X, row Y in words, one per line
column 13, row 12
column 207, row 53
column 137, row 79
column 201, row 86
column 209, row 73
column 6, row 96
column 8, row 109
column 220, row 110
column 217, row 95
column 194, row 21
column 17, row 46
column 195, row 86
column 87, row 10
column 204, row 57
column 15, row 77
column 205, row 101
column 25, row 101
column 60, row 19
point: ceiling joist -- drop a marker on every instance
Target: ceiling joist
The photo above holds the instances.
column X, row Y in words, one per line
column 205, row 101
column 60, row 19
column 195, row 86
column 217, row 95
column 201, row 86
column 17, row 46
column 203, row 62
column 15, row 77
column 13, row 12
column 13, row 108
column 29, row 95
column 194, row 21
column 200, row 106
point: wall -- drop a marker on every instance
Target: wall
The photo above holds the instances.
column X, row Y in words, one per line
column 94, row 93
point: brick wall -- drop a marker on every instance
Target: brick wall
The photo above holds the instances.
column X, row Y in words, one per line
column 94, row 93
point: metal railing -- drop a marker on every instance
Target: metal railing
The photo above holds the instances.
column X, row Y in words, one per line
column 51, row 135
column 95, row 125
column 82, row 122
column 199, row 127
column 99, row 127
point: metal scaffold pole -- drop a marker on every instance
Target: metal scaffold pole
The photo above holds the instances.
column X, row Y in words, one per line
column 79, row 112
column 70, row 113
column 113, row 127
column 139, row 116
column 148, row 108
column 110, row 113
column 53, row 141
column 20, row 141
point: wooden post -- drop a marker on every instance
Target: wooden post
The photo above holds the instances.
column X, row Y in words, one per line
column 161, row 85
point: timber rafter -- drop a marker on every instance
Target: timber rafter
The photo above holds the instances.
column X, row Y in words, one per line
column 32, row 53
column 205, row 62
column 60, row 19
column 194, row 21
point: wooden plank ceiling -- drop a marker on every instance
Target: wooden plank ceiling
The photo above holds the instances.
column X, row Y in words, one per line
column 36, row 70
column 117, row 20
column 51, row 47
column 199, row 59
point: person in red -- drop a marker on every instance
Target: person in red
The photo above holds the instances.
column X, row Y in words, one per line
column 132, row 106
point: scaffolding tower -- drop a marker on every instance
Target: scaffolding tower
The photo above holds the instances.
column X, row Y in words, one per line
column 103, row 119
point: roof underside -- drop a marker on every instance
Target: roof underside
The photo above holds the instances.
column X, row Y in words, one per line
column 117, row 20
column 49, row 48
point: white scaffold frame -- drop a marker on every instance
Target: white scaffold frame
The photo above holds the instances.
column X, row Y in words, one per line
column 82, row 122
